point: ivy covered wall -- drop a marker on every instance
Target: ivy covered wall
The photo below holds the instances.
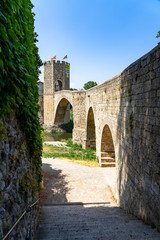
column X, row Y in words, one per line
column 19, row 64
column 19, row 71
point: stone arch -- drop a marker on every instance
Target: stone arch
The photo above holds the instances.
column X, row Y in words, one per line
column 62, row 114
column 91, row 133
column 107, row 148
column 58, row 85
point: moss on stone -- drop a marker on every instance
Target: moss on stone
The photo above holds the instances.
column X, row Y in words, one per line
column 3, row 132
column 130, row 121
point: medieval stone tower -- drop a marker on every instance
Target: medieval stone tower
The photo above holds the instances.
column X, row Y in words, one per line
column 56, row 78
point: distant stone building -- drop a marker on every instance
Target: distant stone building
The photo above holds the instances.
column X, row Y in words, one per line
column 56, row 78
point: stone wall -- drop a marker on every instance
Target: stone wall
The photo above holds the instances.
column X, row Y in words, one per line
column 129, row 106
column 48, row 89
column 16, row 182
column 138, row 132
column 59, row 74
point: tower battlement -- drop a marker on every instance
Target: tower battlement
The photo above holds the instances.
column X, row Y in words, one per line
column 56, row 76
column 55, row 61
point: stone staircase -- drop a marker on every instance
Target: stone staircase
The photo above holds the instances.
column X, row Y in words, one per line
column 108, row 159
column 91, row 222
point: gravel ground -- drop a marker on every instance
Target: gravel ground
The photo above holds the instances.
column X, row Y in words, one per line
column 65, row 181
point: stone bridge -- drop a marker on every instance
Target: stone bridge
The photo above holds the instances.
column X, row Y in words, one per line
column 121, row 119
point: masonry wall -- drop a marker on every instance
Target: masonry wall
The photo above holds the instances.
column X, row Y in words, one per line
column 54, row 73
column 130, row 105
column 15, row 195
column 79, row 118
column 48, row 97
column 138, row 131
column 59, row 74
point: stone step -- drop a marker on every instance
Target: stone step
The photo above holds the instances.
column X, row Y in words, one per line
column 107, row 159
column 93, row 222
column 108, row 164
column 108, row 154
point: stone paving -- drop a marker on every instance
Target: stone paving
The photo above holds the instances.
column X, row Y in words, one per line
column 67, row 215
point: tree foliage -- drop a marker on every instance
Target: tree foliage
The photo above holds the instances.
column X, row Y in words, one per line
column 73, row 89
column 158, row 35
column 19, row 71
column 89, row 84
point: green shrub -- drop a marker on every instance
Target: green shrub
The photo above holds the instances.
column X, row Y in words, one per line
column 68, row 127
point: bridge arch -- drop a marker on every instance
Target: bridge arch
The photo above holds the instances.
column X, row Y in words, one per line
column 91, row 130
column 62, row 113
column 107, row 157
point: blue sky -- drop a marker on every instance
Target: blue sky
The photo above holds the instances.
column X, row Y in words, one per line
column 100, row 37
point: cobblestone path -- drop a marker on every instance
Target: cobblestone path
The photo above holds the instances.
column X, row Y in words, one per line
column 77, row 204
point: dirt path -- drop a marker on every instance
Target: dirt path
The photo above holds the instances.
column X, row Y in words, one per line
column 68, row 182
column 77, row 204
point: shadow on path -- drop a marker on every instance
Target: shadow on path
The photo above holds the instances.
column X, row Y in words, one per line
column 55, row 187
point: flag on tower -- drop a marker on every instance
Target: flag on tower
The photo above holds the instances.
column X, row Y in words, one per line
column 53, row 57
column 64, row 57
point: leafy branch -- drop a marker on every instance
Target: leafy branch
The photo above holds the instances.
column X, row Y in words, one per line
column 158, row 35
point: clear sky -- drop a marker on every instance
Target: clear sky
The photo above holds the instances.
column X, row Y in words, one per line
column 100, row 37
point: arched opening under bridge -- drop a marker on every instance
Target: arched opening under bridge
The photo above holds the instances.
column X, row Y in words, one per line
column 91, row 135
column 107, row 148
column 64, row 115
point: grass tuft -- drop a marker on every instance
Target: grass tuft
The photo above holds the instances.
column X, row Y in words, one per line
column 71, row 151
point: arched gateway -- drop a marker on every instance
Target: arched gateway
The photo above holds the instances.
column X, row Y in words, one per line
column 91, row 136
column 107, row 148
column 62, row 112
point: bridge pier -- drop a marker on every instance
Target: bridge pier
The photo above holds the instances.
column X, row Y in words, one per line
column 79, row 137
column 91, row 143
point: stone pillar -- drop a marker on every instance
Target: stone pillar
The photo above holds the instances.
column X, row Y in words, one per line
column 48, row 93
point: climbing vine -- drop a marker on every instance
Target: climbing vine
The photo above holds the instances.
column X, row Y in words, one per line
column 19, row 71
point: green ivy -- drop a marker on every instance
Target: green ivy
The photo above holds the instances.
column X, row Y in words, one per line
column 19, row 72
